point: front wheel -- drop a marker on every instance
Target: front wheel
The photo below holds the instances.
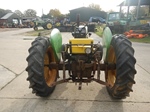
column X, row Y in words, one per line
column 40, row 75
column 35, row 28
column 122, row 78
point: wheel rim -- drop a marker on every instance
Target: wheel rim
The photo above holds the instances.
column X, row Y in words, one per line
column 49, row 26
column 49, row 73
column 58, row 24
column 111, row 76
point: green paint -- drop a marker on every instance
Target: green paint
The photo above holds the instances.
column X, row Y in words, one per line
column 106, row 40
column 56, row 42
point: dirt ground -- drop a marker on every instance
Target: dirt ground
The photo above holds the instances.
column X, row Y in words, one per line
column 8, row 29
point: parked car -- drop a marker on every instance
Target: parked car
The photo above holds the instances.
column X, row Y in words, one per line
column 97, row 19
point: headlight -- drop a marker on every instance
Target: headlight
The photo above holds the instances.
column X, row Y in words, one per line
column 88, row 50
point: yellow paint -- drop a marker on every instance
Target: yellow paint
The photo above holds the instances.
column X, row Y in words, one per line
column 144, row 21
column 79, row 45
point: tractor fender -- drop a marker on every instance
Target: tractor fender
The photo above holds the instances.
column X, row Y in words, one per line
column 56, row 43
column 106, row 40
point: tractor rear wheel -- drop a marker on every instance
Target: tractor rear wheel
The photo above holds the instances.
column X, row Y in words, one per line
column 40, row 75
column 122, row 78
column 49, row 26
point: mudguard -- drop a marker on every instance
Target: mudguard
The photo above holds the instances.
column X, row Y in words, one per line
column 56, row 43
column 106, row 40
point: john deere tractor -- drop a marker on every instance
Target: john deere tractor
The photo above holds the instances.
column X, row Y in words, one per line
column 84, row 60
column 38, row 22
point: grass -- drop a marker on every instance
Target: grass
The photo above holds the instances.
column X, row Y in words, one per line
column 99, row 32
column 143, row 40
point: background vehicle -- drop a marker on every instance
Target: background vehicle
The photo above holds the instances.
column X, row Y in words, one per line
column 116, row 22
column 97, row 19
column 45, row 24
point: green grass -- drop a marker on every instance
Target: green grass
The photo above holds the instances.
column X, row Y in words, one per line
column 143, row 40
column 99, row 32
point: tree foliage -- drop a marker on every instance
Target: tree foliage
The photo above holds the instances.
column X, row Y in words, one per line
column 50, row 16
column 142, row 11
column 111, row 11
column 19, row 13
column 95, row 6
column 30, row 13
column 55, row 12
column 4, row 12
column 46, row 16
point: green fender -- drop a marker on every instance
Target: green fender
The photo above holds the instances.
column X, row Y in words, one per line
column 56, row 43
column 106, row 40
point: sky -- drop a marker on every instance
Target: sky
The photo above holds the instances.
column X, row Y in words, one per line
column 63, row 5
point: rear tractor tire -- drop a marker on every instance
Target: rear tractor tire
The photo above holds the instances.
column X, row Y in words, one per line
column 49, row 26
column 122, row 78
column 40, row 76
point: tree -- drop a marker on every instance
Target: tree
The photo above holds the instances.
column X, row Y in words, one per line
column 111, row 11
column 8, row 11
column 142, row 11
column 30, row 13
column 3, row 12
column 19, row 13
column 55, row 12
column 95, row 6
column 45, row 16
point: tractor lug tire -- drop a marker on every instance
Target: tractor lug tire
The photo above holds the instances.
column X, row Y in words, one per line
column 125, row 71
column 36, row 68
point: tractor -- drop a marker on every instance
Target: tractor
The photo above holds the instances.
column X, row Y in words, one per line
column 38, row 22
column 84, row 60
column 116, row 22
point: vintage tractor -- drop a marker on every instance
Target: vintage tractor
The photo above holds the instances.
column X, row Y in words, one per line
column 38, row 22
column 84, row 61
